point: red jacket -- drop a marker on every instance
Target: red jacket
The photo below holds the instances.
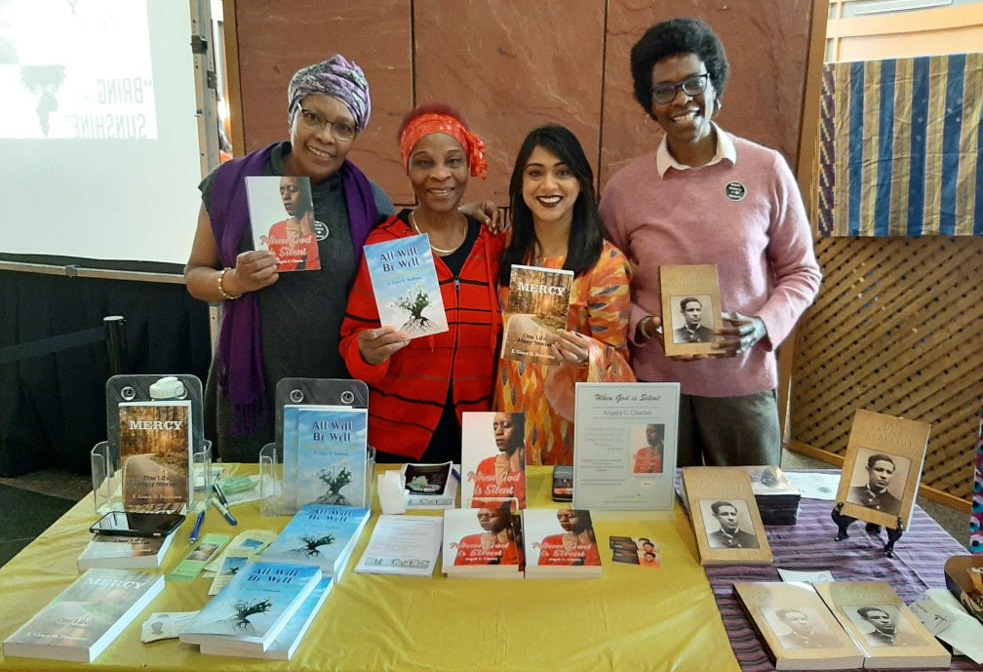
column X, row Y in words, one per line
column 408, row 391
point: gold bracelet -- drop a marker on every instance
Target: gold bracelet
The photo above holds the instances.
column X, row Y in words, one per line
column 221, row 286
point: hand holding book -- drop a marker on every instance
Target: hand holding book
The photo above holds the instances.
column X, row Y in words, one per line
column 570, row 348
column 378, row 345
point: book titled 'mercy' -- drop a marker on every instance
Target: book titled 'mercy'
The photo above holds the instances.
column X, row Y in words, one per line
column 539, row 300
column 155, row 450
column 404, row 280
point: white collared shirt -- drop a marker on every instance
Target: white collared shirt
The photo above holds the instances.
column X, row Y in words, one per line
column 664, row 159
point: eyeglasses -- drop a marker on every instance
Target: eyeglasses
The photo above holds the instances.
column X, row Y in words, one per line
column 691, row 86
column 341, row 130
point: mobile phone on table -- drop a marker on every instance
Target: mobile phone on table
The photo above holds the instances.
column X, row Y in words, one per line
column 137, row 524
column 562, row 483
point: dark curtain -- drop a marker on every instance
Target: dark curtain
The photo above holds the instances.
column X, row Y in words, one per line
column 53, row 407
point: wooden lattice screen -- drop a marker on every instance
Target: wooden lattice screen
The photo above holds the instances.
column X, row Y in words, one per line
column 896, row 329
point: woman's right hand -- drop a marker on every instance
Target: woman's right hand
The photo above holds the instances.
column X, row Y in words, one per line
column 254, row 270
column 378, row 345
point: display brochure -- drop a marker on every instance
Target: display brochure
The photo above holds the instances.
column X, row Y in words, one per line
column 493, row 458
column 624, row 454
column 254, row 608
column 331, row 455
column 404, row 280
column 882, row 468
column 882, row 626
column 960, row 631
column 691, row 309
column 640, row 551
column 165, row 625
column 725, row 516
column 155, row 455
column 281, row 216
column 431, row 486
column 119, row 552
column 205, row 552
column 481, row 543
column 229, row 567
column 539, row 301
column 289, row 639
column 247, row 542
column 560, row 544
column 797, row 629
column 403, row 545
column 320, row 535
column 86, row 617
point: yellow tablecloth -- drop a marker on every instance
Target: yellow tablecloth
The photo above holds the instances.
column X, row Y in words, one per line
column 634, row 618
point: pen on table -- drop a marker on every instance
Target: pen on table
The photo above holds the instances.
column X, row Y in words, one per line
column 229, row 518
column 220, row 495
column 193, row 537
column 456, row 474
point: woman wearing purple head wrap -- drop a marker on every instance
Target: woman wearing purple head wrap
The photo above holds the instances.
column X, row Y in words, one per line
column 284, row 325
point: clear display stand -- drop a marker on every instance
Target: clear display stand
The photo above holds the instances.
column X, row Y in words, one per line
column 105, row 457
column 275, row 492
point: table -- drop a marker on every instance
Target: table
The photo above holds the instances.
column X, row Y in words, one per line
column 634, row 618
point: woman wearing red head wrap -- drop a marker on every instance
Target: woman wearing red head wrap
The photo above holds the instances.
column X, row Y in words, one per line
column 420, row 387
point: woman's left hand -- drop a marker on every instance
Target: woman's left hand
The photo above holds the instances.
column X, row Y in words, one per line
column 740, row 335
column 488, row 213
column 570, row 348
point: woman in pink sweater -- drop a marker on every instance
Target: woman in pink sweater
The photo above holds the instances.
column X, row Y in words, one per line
column 708, row 197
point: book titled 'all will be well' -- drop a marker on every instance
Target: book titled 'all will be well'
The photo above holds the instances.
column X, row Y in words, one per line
column 86, row 617
column 404, row 280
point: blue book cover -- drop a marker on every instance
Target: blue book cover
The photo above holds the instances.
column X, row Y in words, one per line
column 290, row 412
column 331, row 456
column 319, row 535
column 255, row 607
column 404, row 280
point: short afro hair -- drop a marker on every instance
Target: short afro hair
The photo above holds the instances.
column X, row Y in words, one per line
column 677, row 36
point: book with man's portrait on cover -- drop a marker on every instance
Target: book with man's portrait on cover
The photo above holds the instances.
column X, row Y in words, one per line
column 539, row 301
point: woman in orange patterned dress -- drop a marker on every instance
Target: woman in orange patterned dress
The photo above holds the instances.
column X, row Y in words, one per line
column 555, row 225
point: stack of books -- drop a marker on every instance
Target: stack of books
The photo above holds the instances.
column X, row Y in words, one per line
column 482, row 543
column 777, row 499
column 320, row 535
column 124, row 552
column 560, row 544
column 86, row 617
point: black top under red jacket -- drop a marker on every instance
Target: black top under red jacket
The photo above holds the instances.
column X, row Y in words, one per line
column 409, row 390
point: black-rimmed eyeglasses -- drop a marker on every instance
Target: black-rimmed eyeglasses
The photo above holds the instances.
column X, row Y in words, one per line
column 692, row 86
column 341, row 130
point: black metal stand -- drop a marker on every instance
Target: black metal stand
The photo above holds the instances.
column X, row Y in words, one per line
column 844, row 522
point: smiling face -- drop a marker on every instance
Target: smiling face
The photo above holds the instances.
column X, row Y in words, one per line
column 549, row 188
column 685, row 119
column 438, row 172
column 290, row 194
column 726, row 515
column 493, row 520
column 504, row 428
column 880, row 475
column 316, row 153
column 693, row 312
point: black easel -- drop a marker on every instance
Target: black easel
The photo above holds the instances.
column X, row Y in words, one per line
column 844, row 522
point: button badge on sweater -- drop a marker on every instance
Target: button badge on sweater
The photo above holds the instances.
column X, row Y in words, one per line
column 320, row 230
column 735, row 191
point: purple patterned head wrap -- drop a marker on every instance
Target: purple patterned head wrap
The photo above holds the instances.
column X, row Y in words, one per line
column 337, row 77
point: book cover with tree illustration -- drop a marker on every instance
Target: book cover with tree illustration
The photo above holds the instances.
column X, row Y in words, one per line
column 539, row 301
column 155, row 453
column 255, row 607
column 404, row 281
column 331, row 455
column 86, row 617
column 320, row 535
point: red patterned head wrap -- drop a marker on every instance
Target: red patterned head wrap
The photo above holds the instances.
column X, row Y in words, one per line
column 435, row 122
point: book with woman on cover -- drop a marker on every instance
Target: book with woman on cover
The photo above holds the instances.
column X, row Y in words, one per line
column 539, row 301
column 560, row 543
column 86, row 617
column 155, row 454
column 691, row 310
column 797, row 629
column 882, row 468
column 493, row 457
column 281, row 214
column 404, row 281
column 482, row 542
column 725, row 516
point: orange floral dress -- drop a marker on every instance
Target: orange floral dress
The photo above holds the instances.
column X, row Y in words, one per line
column 599, row 304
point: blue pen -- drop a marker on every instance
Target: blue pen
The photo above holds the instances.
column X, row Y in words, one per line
column 456, row 474
column 229, row 518
column 193, row 537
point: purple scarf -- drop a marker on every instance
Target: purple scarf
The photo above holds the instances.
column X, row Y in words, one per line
column 240, row 355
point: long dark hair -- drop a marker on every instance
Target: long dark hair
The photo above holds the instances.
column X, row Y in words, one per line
column 306, row 203
column 586, row 240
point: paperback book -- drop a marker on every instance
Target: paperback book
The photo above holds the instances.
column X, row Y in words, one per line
column 254, row 608
column 331, row 455
column 281, row 215
column 86, row 617
column 691, row 309
column 777, row 498
column 482, row 543
column 320, row 535
column 539, row 300
column 431, row 486
column 119, row 552
column 289, row 639
column 797, row 629
column 155, row 455
column 493, row 458
column 561, row 544
column 404, row 280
